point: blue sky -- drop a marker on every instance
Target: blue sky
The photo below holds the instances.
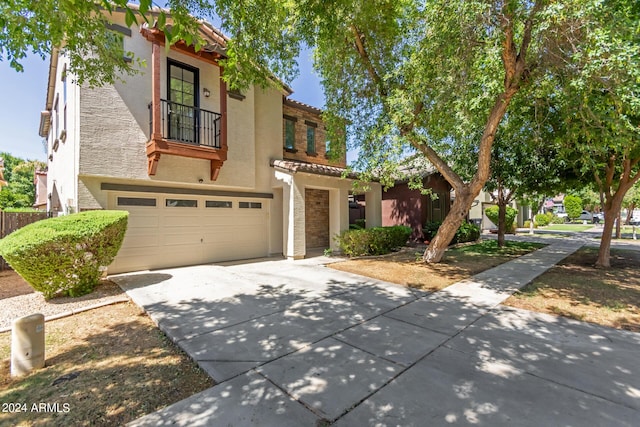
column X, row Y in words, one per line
column 23, row 98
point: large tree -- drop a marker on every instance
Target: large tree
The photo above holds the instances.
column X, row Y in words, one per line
column 598, row 97
column 525, row 161
column 411, row 77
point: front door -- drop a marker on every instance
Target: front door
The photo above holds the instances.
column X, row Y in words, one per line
column 183, row 111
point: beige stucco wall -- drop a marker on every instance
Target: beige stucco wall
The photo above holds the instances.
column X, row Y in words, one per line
column 114, row 129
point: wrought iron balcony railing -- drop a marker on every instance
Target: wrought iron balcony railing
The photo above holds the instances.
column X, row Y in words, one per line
column 188, row 124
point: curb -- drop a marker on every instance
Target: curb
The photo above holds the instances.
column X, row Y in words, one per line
column 77, row 311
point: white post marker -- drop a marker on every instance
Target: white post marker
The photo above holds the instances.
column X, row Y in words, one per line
column 27, row 344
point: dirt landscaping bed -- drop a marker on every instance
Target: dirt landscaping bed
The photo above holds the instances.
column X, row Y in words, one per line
column 104, row 367
column 575, row 289
column 17, row 299
column 406, row 268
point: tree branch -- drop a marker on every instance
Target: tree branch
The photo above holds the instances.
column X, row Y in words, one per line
column 364, row 55
column 442, row 166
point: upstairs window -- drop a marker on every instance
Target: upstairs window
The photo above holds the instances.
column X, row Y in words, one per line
column 311, row 137
column 289, row 133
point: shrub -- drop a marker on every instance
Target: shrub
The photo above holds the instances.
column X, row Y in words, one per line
column 467, row 232
column 66, row 255
column 527, row 224
column 555, row 219
column 373, row 241
column 542, row 220
column 573, row 206
column 492, row 213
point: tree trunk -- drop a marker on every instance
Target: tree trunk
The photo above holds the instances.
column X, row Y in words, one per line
column 618, row 220
column 611, row 213
column 459, row 210
column 630, row 209
column 502, row 226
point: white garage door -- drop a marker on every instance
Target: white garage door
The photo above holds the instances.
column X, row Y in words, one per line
column 173, row 230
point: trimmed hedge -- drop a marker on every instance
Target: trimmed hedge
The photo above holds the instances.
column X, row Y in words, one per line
column 373, row 241
column 493, row 213
column 467, row 232
column 66, row 255
column 542, row 220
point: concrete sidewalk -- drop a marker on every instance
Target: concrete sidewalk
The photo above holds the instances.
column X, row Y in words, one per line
column 296, row 343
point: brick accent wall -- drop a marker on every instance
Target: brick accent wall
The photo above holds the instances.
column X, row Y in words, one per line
column 304, row 117
column 316, row 215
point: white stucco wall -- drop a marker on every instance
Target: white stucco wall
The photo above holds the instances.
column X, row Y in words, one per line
column 63, row 161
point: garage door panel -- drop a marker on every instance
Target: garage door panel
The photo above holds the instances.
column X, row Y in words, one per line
column 164, row 236
column 140, row 240
column 181, row 238
column 189, row 220
column 215, row 221
column 143, row 220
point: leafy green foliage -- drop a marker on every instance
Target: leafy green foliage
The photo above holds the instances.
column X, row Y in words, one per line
column 66, row 255
column 573, row 206
column 510, row 216
column 373, row 241
column 467, row 232
column 19, row 174
column 542, row 220
column 555, row 219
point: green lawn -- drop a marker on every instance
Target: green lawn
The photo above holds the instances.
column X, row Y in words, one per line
column 569, row 227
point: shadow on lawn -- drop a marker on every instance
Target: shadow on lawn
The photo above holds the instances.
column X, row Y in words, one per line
column 115, row 375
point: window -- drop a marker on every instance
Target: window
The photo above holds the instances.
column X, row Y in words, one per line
column 218, row 204
column 183, row 102
column 289, row 133
column 311, row 137
column 56, row 108
column 136, row 201
column 64, row 98
column 250, row 205
column 181, row 203
column 115, row 41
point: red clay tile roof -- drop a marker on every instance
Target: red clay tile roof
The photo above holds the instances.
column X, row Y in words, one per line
column 292, row 166
column 301, row 105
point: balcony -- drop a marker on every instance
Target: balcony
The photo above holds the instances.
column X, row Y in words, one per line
column 187, row 124
column 186, row 131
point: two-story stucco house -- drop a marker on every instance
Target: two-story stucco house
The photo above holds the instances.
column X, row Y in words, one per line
column 207, row 175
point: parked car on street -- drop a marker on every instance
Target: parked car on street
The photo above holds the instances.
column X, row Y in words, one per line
column 585, row 216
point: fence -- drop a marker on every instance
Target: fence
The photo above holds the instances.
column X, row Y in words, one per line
column 11, row 221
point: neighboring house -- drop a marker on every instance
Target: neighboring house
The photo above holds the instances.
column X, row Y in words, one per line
column 40, row 184
column 402, row 205
column 206, row 174
column 483, row 201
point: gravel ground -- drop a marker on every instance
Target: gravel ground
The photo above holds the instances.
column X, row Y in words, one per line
column 18, row 299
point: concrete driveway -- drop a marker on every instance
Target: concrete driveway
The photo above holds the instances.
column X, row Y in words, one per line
column 294, row 343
